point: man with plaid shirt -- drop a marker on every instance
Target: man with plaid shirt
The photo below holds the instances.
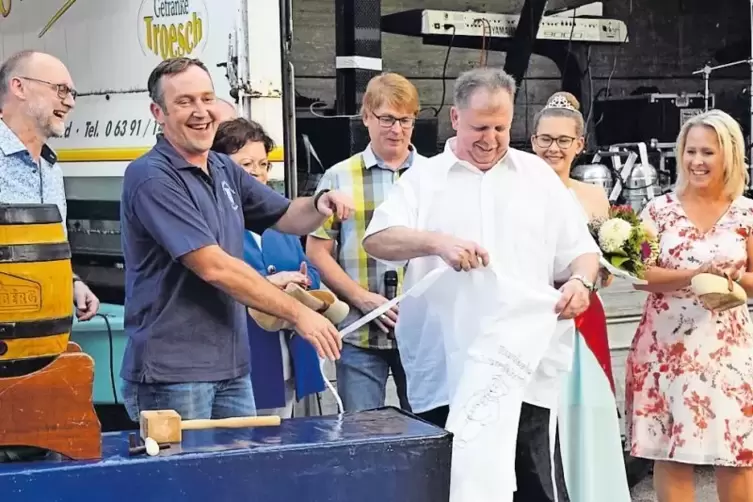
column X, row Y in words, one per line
column 389, row 108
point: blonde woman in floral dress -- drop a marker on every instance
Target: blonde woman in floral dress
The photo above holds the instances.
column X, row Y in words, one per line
column 690, row 370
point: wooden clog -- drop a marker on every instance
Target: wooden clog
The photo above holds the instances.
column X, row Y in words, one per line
column 320, row 300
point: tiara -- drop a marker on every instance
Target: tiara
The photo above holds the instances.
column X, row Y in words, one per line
column 560, row 102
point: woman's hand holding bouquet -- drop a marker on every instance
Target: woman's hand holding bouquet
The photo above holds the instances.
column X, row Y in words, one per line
column 628, row 245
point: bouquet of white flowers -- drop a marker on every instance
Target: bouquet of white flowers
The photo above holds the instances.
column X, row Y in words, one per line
column 628, row 246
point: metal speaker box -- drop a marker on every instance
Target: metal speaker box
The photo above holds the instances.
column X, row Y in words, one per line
column 644, row 117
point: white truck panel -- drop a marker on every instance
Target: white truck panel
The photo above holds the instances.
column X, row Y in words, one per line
column 110, row 47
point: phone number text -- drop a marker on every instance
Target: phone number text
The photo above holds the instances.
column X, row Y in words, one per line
column 112, row 128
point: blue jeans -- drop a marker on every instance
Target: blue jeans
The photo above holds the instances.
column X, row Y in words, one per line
column 362, row 377
column 223, row 399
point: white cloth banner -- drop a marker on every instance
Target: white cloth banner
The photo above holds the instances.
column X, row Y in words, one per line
column 501, row 329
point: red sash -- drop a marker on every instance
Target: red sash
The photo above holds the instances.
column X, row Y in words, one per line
column 592, row 324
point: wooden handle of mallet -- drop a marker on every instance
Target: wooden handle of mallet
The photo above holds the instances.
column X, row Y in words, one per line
column 229, row 423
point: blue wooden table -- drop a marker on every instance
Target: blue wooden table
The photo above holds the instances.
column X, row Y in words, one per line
column 381, row 456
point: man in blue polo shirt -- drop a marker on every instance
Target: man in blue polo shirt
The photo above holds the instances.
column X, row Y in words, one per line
column 183, row 212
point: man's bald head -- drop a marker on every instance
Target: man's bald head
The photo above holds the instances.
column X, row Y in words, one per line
column 13, row 67
column 32, row 65
column 225, row 111
column 36, row 87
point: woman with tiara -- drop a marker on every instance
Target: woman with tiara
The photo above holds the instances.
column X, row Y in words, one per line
column 592, row 453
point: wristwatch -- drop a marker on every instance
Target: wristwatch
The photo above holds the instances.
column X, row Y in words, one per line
column 588, row 284
column 317, row 197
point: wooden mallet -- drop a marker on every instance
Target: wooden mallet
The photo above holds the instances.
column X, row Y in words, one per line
column 166, row 426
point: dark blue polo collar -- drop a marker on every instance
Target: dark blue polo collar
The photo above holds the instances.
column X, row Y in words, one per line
column 176, row 160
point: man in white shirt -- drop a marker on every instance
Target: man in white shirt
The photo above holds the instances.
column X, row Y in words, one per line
column 481, row 201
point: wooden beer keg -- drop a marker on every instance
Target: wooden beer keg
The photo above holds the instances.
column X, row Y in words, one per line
column 36, row 287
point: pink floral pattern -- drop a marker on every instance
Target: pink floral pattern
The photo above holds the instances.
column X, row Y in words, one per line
column 689, row 382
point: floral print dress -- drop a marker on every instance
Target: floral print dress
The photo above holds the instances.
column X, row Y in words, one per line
column 689, row 382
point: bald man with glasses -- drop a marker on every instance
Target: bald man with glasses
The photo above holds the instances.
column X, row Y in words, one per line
column 36, row 95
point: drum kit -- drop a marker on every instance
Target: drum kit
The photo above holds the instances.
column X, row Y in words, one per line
column 624, row 171
column 625, row 175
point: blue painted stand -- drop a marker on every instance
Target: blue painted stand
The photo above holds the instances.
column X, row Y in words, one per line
column 95, row 340
column 375, row 456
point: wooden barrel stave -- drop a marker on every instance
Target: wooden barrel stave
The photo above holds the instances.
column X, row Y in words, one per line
column 36, row 287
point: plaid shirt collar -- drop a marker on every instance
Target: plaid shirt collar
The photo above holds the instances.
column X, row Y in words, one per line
column 371, row 159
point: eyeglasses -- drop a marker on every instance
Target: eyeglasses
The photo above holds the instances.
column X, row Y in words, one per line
column 387, row 121
column 545, row 141
column 256, row 167
column 62, row 89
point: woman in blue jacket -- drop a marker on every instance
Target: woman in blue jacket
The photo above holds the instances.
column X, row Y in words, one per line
column 284, row 368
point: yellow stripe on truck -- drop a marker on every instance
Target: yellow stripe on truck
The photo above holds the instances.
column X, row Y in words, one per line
column 124, row 154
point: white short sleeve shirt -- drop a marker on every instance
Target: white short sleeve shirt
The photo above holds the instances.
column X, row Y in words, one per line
column 521, row 213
